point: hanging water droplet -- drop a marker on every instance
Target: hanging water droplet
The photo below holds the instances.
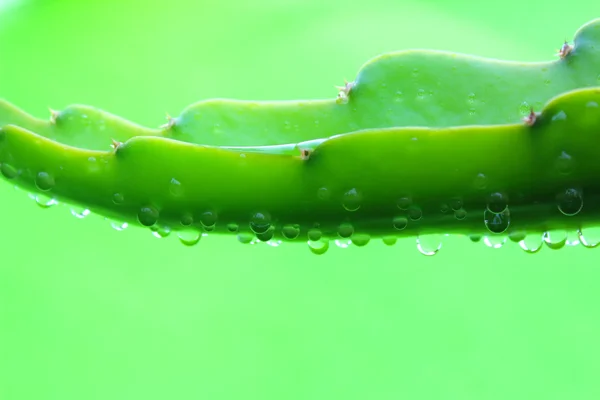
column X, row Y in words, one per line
column 475, row 238
column 570, row 202
column 44, row 181
column 79, row 212
column 290, row 231
column 119, row 226
column 361, row 239
column 189, row 237
column 148, row 215
column 517, row 236
column 495, row 242
column 8, row 171
column 429, row 244
column 345, row 230
column 175, row 188
column 43, row 200
column 160, row 231
column 590, row 237
column 245, row 237
column 343, row 243
column 532, row 243
column 555, row 239
column 400, row 222
column 497, row 223
column 389, row 240
column 318, row 247
column 260, row 222
column 497, row 202
column 352, row 199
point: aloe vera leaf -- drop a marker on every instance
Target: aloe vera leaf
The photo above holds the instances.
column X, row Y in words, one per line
column 368, row 179
column 406, row 88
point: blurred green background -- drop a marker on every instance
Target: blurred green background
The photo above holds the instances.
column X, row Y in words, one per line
column 87, row 312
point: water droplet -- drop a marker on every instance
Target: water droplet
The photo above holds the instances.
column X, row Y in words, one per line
column 267, row 235
column 186, row 219
column 555, row 239
column 318, row 247
column 79, row 212
column 44, row 181
column 43, row 200
column 497, row 222
column 189, row 237
column 232, row 227
column 497, row 203
column 404, row 202
column 420, row 93
column 400, row 222
column 389, row 240
column 119, row 226
column 480, row 182
column 415, row 72
column 495, row 242
column 399, row 96
column 564, row 164
column 414, row 213
column 361, row 239
column 352, row 199
column 547, row 82
column 524, row 108
column 533, row 243
column 460, row 214
column 559, row 116
column 444, row 208
column 517, row 236
column 590, row 238
column 290, row 231
column 471, row 98
column 343, row 243
column 245, row 237
column 148, row 216
column 260, row 222
column 591, row 104
column 570, row 202
column 314, row 234
column 345, row 230
column 456, row 204
column 475, row 238
column 208, row 219
column 160, row 231
column 118, row 198
column 9, row 171
column 175, row 188
column 429, row 245
column 323, row 193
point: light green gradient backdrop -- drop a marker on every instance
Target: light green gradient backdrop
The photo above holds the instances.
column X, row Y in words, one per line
column 87, row 312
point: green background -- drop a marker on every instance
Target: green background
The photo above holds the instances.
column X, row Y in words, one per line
column 87, row 312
